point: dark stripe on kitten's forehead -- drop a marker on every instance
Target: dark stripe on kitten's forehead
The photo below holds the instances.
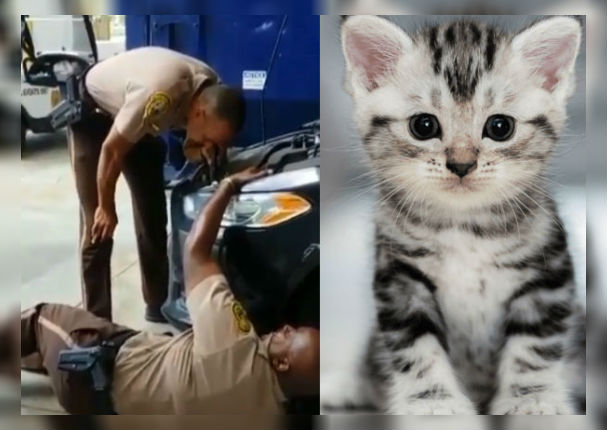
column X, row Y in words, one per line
column 450, row 35
column 455, row 55
column 490, row 48
column 437, row 51
column 476, row 33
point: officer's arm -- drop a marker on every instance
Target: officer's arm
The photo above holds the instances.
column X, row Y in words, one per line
column 112, row 155
column 199, row 262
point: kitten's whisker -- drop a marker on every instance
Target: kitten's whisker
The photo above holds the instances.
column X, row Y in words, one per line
column 344, row 194
column 417, row 190
column 537, row 188
column 507, row 200
column 550, row 214
column 401, row 206
column 341, row 199
column 386, row 197
column 552, row 181
column 359, row 181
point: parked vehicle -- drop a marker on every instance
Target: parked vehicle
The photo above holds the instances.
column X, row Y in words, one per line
column 53, row 48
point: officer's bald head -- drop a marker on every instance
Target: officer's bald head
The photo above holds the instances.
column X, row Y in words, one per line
column 226, row 103
column 295, row 356
column 215, row 116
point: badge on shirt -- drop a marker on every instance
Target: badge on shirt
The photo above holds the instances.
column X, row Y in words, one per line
column 158, row 104
column 242, row 320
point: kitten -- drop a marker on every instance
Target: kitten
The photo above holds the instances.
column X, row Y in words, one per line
column 474, row 291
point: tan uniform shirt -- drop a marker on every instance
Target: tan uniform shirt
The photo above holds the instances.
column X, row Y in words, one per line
column 147, row 90
column 218, row 366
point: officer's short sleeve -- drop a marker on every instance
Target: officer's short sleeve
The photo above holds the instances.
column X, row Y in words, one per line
column 218, row 319
column 129, row 121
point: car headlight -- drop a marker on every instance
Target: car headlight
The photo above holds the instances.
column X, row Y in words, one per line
column 254, row 209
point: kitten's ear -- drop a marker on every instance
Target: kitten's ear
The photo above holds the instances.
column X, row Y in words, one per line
column 550, row 47
column 372, row 47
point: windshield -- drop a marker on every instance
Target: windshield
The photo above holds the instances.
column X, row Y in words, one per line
column 67, row 33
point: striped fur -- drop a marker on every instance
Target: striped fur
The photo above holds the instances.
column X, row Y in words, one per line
column 474, row 283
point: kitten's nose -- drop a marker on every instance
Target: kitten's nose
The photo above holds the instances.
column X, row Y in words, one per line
column 461, row 169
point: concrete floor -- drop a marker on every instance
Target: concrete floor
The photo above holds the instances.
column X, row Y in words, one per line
column 49, row 252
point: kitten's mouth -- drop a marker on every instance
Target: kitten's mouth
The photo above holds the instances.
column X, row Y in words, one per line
column 460, row 185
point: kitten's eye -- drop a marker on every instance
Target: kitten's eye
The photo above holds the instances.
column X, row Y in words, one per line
column 424, row 126
column 499, row 127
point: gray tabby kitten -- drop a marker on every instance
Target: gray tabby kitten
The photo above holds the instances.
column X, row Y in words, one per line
column 474, row 284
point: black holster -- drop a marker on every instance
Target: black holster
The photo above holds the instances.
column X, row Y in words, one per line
column 98, row 362
column 74, row 104
column 70, row 110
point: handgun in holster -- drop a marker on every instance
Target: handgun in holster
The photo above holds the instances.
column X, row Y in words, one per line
column 72, row 107
column 98, row 362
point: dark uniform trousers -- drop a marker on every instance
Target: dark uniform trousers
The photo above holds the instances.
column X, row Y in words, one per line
column 143, row 171
column 49, row 328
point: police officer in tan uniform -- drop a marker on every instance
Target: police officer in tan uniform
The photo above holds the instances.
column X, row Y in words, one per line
column 218, row 366
column 131, row 98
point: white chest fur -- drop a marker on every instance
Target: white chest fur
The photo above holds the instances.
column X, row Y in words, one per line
column 470, row 291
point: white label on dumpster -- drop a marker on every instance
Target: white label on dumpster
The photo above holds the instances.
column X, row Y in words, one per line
column 253, row 79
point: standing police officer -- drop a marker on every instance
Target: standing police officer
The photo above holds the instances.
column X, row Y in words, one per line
column 132, row 97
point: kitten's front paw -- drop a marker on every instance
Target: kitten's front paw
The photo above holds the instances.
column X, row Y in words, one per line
column 450, row 406
column 530, row 405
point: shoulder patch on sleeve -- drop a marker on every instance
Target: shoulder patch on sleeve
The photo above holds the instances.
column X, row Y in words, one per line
column 157, row 105
column 242, row 320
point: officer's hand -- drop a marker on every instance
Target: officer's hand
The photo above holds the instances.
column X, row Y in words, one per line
column 244, row 177
column 104, row 224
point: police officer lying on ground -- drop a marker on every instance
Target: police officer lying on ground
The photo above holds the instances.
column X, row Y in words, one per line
column 130, row 99
column 220, row 365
